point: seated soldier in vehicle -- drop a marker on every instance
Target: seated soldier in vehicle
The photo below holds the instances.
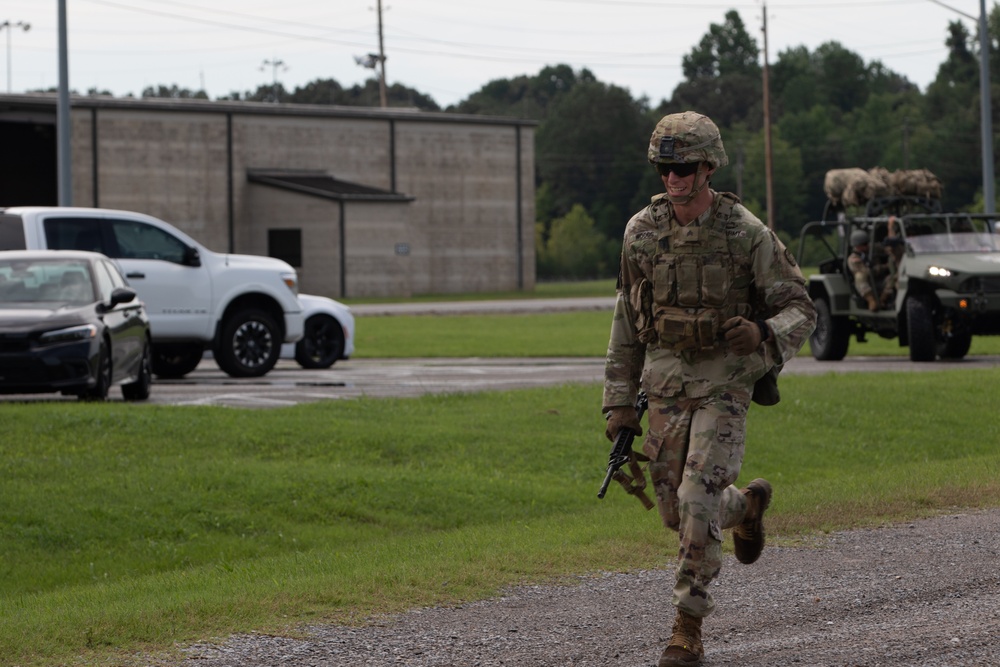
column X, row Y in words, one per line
column 893, row 243
column 857, row 262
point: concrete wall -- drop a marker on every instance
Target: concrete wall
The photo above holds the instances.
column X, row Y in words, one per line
column 460, row 233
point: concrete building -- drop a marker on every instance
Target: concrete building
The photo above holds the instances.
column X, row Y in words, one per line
column 364, row 202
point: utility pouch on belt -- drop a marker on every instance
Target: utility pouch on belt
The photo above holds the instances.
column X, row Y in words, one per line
column 765, row 390
column 687, row 329
column 641, row 300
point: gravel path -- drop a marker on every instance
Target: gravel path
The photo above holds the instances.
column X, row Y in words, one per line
column 920, row 593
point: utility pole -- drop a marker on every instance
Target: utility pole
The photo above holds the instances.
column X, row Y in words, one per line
column 274, row 64
column 10, row 28
column 767, row 133
column 64, row 158
column 381, row 60
column 985, row 112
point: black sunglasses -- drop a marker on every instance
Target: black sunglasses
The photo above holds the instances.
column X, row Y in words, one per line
column 682, row 169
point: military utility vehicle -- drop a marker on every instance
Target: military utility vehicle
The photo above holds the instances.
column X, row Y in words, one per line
column 943, row 281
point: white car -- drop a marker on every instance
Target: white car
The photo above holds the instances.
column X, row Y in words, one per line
column 328, row 333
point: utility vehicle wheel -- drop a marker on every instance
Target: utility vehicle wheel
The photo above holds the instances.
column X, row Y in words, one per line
column 322, row 343
column 175, row 360
column 955, row 346
column 250, row 344
column 832, row 336
column 139, row 390
column 920, row 327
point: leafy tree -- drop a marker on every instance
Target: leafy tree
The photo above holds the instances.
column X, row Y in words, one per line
column 727, row 49
column 843, row 77
column 789, row 196
column 575, row 249
column 722, row 75
column 591, row 151
column 524, row 96
column 174, row 92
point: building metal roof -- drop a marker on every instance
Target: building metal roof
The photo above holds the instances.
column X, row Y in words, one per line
column 321, row 184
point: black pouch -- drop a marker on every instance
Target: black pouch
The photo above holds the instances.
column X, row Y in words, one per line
column 765, row 390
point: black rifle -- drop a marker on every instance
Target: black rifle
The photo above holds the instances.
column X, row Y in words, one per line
column 622, row 449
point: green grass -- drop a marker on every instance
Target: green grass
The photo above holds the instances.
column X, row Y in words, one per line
column 543, row 290
column 128, row 528
column 572, row 334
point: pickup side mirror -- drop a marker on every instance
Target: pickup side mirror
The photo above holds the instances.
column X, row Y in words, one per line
column 192, row 257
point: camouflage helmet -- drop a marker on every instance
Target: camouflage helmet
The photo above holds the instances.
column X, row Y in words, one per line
column 687, row 137
column 859, row 237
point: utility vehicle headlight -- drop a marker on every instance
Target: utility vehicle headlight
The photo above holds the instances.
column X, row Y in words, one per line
column 939, row 272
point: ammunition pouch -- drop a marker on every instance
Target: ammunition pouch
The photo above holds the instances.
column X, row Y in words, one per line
column 681, row 329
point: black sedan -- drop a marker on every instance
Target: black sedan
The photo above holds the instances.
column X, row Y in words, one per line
column 70, row 323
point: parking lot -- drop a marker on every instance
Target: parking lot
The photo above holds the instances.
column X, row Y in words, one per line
column 289, row 384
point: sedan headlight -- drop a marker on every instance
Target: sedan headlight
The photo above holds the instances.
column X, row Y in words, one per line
column 292, row 281
column 69, row 335
column 939, row 272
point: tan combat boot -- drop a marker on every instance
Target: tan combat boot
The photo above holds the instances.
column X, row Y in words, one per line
column 748, row 537
column 684, row 649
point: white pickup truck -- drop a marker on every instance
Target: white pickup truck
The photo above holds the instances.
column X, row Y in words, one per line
column 241, row 307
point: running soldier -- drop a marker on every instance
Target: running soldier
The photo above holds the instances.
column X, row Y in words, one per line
column 709, row 303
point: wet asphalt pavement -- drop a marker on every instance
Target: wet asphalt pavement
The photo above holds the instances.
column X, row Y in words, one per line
column 289, row 384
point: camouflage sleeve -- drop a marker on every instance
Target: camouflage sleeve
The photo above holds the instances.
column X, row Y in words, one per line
column 623, row 365
column 792, row 316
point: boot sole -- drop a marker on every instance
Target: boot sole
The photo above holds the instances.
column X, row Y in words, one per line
column 748, row 551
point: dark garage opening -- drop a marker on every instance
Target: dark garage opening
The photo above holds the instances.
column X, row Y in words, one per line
column 28, row 174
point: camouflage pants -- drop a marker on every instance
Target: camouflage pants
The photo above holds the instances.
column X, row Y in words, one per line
column 695, row 446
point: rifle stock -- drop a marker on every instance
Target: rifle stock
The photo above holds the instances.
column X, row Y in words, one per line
column 622, row 447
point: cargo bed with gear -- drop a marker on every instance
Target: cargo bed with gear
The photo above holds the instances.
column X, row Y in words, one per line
column 934, row 276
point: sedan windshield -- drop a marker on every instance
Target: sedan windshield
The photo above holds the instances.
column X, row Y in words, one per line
column 45, row 281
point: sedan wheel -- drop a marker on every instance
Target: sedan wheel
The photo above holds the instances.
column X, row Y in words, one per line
column 323, row 343
column 139, row 390
column 99, row 392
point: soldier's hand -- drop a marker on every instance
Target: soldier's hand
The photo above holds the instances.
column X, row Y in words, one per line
column 622, row 417
column 743, row 335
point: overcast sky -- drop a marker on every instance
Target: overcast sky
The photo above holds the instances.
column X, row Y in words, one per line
column 447, row 49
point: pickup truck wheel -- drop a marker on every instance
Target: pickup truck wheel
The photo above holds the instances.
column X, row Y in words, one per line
column 322, row 343
column 920, row 327
column 139, row 390
column 250, row 344
column 175, row 361
column 832, row 336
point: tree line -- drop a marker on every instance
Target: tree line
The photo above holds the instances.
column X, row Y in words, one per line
column 829, row 109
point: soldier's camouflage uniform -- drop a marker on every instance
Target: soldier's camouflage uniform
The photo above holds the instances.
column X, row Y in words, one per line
column 699, row 396
column 858, row 266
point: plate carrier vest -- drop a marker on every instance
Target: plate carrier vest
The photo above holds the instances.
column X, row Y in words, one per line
column 700, row 279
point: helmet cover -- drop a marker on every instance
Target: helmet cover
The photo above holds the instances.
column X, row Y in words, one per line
column 687, row 137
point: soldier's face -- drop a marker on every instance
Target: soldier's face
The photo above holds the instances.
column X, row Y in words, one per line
column 681, row 179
